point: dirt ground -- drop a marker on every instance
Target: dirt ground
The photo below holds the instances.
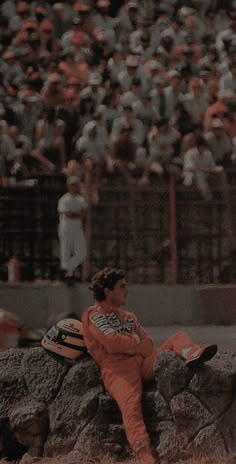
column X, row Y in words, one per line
column 58, row 460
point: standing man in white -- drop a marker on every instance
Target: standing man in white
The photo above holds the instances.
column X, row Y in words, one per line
column 72, row 208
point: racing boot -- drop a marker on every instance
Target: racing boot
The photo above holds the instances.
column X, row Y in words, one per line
column 195, row 355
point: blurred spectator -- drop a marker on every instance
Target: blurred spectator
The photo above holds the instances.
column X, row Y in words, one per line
column 47, row 38
column 71, row 208
column 228, row 80
column 219, row 143
column 229, row 120
column 28, row 113
column 116, row 62
column 173, row 95
column 95, row 83
column 126, row 157
column 50, row 146
column 42, row 5
column 92, row 148
column 128, row 118
column 86, row 106
column 8, row 151
column 103, row 20
column 52, row 92
column 199, row 168
column 189, row 139
column 195, row 102
column 112, row 109
column 159, row 98
column 90, row 142
column 70, row 68
column 8, row 9
column 22, row 13
column 212, row 90
column 162, row 159
column 218, row 109
column 131, row 71
column 13, row 69
column 128, row 17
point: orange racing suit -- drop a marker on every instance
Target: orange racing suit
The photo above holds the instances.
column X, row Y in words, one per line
column 125, row 354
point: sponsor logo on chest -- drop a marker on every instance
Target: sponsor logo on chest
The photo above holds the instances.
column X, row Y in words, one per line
column 126, row 327
column 110, row 322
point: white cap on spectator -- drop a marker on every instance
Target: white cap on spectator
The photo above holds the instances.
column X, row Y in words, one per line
column 101, row 109
column 155, row 66
column 217, row 124
column 173, row 73
column 73, row 180
column 138, row 50
column 158, row 80
column 58, row 6
column 227, row 34
column 186, row 11
column 86, row 92
column 90, row 126
column 95, row 79
column 161, row 51
column 127, row 99
column 132, row 5
column 132, row 61
column 167, row 33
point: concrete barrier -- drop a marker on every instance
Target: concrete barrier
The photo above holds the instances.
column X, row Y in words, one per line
column 155, row 305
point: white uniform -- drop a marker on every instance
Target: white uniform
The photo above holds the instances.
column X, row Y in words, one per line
column 71, row 235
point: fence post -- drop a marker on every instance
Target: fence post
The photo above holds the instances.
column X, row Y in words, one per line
column 173, row 277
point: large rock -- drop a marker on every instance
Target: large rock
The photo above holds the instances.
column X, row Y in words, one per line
column 50, row 408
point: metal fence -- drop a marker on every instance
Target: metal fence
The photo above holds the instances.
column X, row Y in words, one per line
column 158, row 234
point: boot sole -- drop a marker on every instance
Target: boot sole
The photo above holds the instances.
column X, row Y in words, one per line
column 206, row 355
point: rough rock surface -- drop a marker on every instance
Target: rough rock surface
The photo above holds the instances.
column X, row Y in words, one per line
column 50, row 408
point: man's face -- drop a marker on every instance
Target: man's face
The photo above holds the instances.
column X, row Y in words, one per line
column 118, row 295
column 73, row 188
column 133, row 13
column 218, row 132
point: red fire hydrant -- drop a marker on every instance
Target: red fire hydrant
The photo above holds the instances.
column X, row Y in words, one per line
column 14, row 270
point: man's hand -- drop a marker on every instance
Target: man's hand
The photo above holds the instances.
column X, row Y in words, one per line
column 188, row 180
column 218, row 169
column 72, row 215
column 136, row 337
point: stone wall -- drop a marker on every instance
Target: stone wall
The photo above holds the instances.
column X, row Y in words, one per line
column 50, row 408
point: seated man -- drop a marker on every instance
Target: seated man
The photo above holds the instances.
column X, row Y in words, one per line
column 201, row 169
column 126, row 355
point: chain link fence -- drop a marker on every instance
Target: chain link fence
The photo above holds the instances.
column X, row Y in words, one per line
column 130, row 230
column 204, row 240
column 156, row 234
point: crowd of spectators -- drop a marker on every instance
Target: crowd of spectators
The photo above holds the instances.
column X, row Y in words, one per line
column 136, row 90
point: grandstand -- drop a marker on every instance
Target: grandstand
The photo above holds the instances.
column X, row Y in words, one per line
column 142, row 96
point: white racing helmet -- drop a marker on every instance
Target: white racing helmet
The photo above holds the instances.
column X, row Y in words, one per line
column 65, row 338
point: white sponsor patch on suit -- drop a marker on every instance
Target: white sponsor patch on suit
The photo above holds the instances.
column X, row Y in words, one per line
column 110, row 323
column 100, row 321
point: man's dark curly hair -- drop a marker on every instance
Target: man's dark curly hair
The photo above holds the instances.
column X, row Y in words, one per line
column 106, row 278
